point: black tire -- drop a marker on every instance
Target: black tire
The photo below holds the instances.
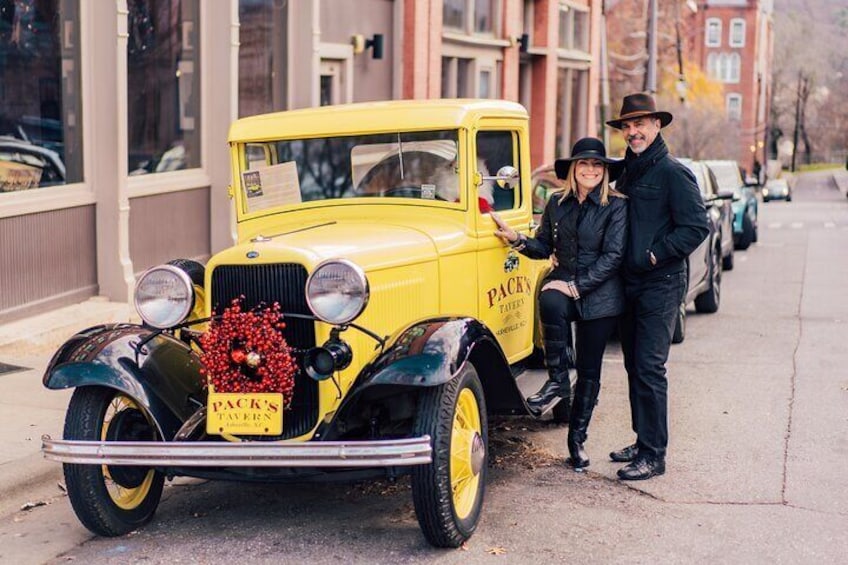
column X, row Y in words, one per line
column 680, row 325
column 747, row 236
column 727, row 262
column 448, row 505
column 755, row 233
column 708, row 301
column 110, row 501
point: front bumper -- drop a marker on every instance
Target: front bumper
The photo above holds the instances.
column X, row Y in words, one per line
column 382, row 453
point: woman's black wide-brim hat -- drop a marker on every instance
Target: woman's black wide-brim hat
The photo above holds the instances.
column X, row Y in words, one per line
column 589, row 148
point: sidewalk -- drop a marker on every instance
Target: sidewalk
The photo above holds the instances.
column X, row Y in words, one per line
column 27, row 409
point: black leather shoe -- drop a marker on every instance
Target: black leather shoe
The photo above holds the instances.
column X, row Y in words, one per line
column 642, row 468
column 625, row 454
column 549, row 391
column 577, row 455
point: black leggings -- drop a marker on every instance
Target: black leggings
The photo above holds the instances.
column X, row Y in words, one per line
column 592, row 335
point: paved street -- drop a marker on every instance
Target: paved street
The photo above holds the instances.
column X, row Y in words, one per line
column 756, row 465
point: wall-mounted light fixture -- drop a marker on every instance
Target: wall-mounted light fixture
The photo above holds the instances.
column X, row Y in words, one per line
column 523, row 42
column 375, row 43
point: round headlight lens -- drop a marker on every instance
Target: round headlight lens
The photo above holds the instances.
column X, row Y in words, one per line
column 337, row 291
column 164, row 296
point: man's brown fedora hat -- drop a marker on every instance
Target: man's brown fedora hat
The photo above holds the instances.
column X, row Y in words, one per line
column 639, row 105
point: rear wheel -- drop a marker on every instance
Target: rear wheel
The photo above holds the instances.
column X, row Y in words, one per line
column 708, row 301
column 110, row 501
column 747, row 236
column 448, row 493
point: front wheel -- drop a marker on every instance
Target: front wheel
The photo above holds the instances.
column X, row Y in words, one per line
column 448, row 493
column 110, row 501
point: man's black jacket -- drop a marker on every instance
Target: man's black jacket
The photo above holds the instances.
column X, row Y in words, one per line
column 667, row 214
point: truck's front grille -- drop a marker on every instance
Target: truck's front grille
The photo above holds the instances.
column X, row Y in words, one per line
column 265, row 284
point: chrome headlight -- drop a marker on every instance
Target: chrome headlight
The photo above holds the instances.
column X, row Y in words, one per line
column 337, row 291
column 164, row 296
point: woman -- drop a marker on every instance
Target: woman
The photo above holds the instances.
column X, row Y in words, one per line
column 584, row 227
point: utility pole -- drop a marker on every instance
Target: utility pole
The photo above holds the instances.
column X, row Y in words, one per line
column 605, row 94
column 651, row 74
column 797, row 121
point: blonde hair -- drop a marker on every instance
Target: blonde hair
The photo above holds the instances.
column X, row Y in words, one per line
column 569, row 186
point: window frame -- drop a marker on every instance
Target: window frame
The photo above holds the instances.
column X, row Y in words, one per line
column 467, row 27
column 710, row 41
column 733, row 98
column 737, row 26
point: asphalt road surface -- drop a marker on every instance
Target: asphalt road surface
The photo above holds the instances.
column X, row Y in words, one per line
column 756, row 465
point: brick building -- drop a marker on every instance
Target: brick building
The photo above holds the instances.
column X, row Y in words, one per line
column 114, row 113
column 734, row 46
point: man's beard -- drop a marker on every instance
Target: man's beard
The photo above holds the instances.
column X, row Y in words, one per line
column 641, row 148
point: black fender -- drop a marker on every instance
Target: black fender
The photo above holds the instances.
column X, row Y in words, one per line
column 163, row 377
column 429, row 353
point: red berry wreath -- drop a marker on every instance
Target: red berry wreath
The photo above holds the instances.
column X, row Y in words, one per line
column 246, row 352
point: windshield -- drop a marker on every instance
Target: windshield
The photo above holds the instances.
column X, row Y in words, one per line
column 419, row 165
column 727, row 176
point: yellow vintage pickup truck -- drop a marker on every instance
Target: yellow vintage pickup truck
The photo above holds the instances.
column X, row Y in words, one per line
column 367, row 321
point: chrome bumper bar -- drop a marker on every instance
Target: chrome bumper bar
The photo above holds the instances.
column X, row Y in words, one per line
column 382, row 453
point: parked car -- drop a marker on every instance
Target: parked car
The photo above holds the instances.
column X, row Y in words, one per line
column 777, row 189
column 719, row 205
column 24, row 165
column 745, row 205
column 363, row 325
column 704, row 266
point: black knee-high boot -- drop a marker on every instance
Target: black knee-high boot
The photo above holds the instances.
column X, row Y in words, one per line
column 559, row 358
column 585, row 396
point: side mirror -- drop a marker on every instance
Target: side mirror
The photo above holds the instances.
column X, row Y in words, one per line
column 506, row 178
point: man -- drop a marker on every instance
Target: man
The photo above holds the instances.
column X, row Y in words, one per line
column 667, row 221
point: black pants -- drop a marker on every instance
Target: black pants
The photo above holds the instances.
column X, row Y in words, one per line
column 647, row 327
column 592, row 335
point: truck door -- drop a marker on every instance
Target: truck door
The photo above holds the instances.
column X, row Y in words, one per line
column 506, row 278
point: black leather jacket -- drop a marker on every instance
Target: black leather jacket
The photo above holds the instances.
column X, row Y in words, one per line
column 667, row 213
column 589, row 251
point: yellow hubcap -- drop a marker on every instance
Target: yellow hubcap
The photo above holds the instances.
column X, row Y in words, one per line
column 468, row 453
column 123, row 497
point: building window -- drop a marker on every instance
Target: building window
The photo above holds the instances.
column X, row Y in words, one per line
column 41, row 108
column 457, row 78
column 471, row 16
column 163, row 74
column 572, row 104
column 573, row 27
column 262, row 63
column 737, row 32
column 713, row 32
column 734, row 107
column 734, row 63
column 453, row 14
column 724, row 67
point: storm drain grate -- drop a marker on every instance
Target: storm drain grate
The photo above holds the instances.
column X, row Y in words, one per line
column 6, row 368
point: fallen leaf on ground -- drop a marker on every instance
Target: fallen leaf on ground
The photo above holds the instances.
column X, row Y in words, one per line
column 31, row 505
column 497, row 550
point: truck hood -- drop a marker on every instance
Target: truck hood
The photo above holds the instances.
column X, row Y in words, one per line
column 373, row 246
